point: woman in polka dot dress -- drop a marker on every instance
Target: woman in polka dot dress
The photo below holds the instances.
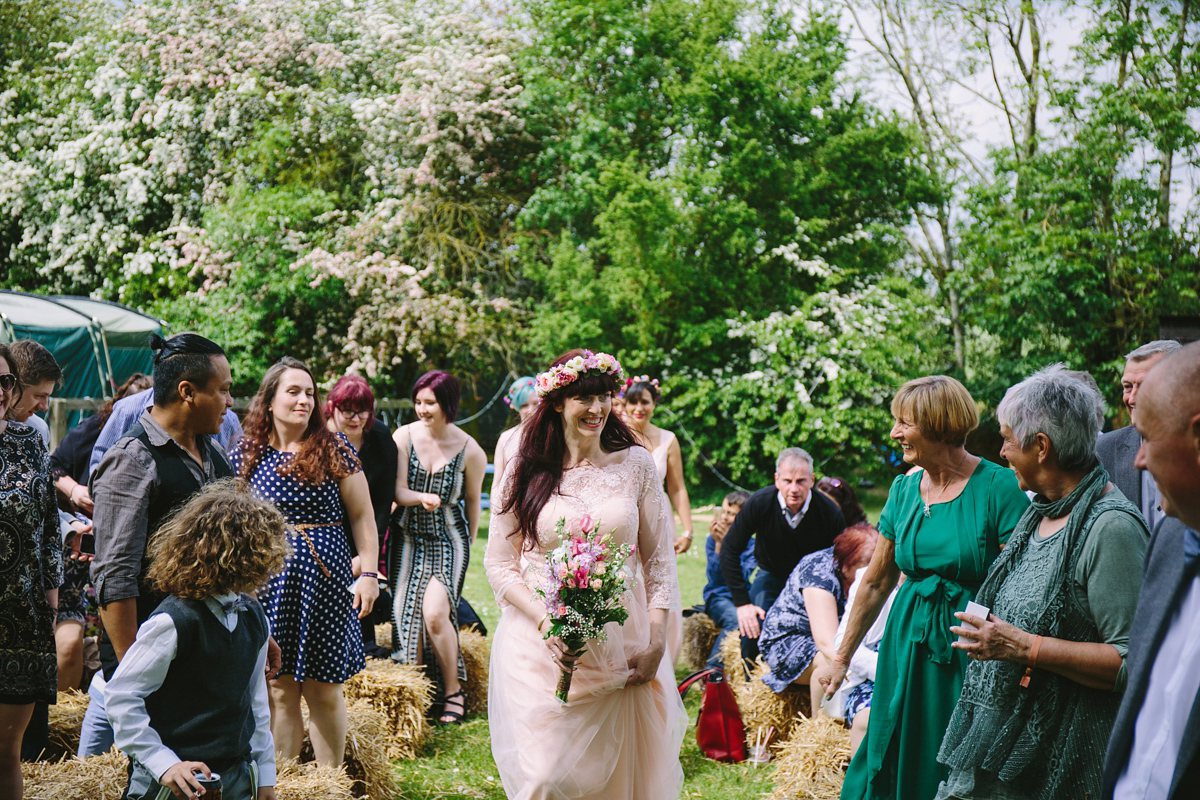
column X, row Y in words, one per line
column 290, row 458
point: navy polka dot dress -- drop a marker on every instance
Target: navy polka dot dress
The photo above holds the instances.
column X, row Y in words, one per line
column 312, row 615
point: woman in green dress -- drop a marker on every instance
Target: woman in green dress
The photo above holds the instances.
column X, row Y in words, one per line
column 1048, row 664
column 942, row 526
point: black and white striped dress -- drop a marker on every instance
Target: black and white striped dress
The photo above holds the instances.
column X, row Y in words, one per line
column 432, row 544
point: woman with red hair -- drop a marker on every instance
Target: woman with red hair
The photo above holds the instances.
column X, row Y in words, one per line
column 798, row 632
column 350, row 411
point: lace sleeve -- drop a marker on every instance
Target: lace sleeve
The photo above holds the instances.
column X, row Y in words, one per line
column 656, row 539
column 502, row 559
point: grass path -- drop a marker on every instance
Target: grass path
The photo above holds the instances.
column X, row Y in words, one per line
column 457, row 762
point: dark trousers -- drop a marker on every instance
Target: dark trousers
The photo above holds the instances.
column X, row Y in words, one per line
column 763, row 593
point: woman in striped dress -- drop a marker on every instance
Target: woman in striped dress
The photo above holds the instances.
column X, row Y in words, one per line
column 438, row 486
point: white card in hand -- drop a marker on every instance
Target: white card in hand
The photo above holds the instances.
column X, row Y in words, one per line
column 975, row 610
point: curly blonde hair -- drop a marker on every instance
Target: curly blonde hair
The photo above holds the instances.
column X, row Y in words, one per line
column 222, row 540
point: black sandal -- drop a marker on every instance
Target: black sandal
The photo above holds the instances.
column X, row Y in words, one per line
column 455, row 717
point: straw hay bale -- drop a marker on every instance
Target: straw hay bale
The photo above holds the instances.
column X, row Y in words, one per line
column 699, row 633
column 403, row 694
column 96, row 778
column 476, row 653
column 366, row 761
column 731, row 659
column 383, row 634
column 66, row 720
column 762, row 708
column 312, row 781
column 811, row 764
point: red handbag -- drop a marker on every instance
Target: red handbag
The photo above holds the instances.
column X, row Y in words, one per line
column 719, row 730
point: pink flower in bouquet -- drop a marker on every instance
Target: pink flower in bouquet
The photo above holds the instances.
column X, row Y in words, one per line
column 586, row 523
column 581, row 577
column 597, row 583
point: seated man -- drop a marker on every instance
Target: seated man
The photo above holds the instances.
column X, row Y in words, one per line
column 718, row 603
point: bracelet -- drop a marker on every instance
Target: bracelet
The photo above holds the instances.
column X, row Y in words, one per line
column 374, row 575
column 687, row 535
column 543, row 619
column 1033, row 656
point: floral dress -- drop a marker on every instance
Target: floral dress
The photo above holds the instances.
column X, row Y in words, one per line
column 786, row 642
column 30, row 563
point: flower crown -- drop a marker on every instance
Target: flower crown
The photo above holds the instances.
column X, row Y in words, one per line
column 565, row 374
column 642, row 379
column 518, row 385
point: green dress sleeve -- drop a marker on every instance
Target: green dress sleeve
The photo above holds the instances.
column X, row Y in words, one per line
column 1108, row 577
column 1008, row 503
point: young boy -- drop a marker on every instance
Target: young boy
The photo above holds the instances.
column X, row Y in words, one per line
column 190, row 696
column 718, row 603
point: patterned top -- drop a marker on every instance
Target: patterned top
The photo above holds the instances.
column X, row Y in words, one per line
column 786, row 641
column 30, row 563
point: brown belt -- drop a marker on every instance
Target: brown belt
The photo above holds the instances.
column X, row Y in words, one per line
column 302, row 529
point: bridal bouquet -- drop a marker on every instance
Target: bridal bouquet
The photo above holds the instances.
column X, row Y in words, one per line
column 582, row 588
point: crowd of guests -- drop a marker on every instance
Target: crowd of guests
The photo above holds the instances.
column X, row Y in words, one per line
column 1001, row 616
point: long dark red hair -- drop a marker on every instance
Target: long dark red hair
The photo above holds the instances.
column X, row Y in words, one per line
column 538, row 467
column 321, row 454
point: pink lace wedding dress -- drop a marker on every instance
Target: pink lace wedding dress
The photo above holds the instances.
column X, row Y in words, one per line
column 610, row 742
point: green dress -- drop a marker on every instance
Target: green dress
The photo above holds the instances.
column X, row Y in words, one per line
column 945, row 558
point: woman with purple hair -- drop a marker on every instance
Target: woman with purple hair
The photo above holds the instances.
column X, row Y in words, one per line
column 440, row 471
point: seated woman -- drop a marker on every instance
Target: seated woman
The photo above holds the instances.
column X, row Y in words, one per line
column 798, row 631
column 1048, row 664
column 851, row 703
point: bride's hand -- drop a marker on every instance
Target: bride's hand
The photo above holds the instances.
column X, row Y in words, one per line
column 563, row 657
column 643, row 666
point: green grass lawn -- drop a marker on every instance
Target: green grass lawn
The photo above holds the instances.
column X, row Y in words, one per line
column 457, row 761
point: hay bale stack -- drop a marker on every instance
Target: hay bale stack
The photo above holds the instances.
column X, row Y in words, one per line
column 312, row 781
column 699, row 633
column 367, row 761
column 476, row 653
column 66, row 720
column 383, row 634
column 812, row 762
column 95, row 778
column 731, row 659
column 403, row 694
column 762, row 708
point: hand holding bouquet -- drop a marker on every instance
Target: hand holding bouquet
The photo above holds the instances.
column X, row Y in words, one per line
column 582, row 589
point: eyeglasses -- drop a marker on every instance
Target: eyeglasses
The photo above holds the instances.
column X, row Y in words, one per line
column 365, row 413
column 7, row 381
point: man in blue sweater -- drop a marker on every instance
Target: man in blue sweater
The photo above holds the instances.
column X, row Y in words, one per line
column 788, row 520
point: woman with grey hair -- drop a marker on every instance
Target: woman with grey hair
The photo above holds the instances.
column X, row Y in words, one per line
column 1048, row 663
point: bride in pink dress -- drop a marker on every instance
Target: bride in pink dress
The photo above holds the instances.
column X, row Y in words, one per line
column 618, row 736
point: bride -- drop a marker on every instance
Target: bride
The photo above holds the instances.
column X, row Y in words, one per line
column 618, row 736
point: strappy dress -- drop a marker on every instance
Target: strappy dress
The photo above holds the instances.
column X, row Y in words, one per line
column 432, row 544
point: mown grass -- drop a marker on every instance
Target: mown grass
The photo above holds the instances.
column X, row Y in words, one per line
column 457, row 762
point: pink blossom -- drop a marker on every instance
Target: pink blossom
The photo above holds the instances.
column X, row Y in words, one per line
column 586, row 524
column 597, row 583
column 581, row 577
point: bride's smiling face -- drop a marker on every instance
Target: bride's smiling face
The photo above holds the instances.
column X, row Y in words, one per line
column 585, row 415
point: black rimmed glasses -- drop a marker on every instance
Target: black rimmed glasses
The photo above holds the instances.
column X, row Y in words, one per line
column 364, row 413
column 7, row 381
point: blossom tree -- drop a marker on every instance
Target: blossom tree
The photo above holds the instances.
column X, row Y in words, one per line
column 221, row 158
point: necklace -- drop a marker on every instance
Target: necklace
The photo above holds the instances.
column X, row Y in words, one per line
column 946, row 485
